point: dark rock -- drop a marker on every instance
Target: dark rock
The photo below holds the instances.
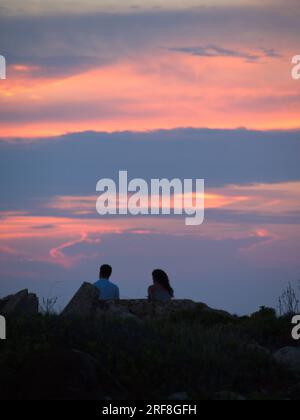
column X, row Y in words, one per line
column 22, row 303
column 84, row 303
column 289, row 357
column 142, row 309
column 228, row 396
column 178, row 396
column 87, row 302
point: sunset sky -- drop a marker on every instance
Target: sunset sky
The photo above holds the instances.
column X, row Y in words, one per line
column 160, row 88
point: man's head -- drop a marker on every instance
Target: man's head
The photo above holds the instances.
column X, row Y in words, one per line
column 105, row 271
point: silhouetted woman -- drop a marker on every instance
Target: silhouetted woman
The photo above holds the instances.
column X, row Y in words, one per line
column 161, row 289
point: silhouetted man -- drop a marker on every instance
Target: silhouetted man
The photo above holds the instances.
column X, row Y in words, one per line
column 108, row 290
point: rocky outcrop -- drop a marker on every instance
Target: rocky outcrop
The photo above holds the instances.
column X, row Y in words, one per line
column 84, row 303
column 143, row 309
column 87, row 302
column 290, row 357
column 20, row 303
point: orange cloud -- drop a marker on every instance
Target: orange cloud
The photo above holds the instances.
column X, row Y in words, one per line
column 167, row 90
column 48, row 239
column 52, row 236
column 68, row 261
column 258, row 198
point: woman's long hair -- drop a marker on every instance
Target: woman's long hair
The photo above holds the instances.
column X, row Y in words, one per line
column 160, row 277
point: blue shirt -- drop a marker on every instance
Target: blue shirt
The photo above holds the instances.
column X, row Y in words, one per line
column 108, row 290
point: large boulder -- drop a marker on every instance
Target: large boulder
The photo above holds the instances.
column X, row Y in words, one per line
column 87, row 302
column 290, row 357
column 143, row 309
column 84, row 303
column 21, row 303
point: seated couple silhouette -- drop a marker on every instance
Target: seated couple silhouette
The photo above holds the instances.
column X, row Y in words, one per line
column 160, row 290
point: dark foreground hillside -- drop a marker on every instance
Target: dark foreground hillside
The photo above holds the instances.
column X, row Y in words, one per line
column 196, row 356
